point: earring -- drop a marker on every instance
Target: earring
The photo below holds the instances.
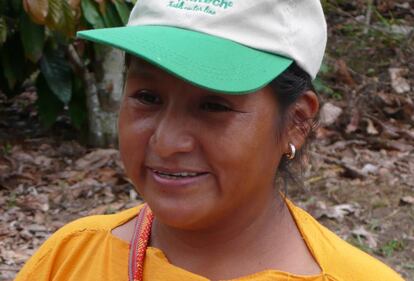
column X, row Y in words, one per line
column 292, row 152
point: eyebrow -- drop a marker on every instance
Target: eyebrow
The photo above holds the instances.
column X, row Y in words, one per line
column 142, row 71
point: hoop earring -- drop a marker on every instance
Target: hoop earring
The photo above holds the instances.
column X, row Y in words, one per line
column 292, row 152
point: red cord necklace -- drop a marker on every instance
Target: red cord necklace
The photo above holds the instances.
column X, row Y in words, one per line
column 139, row 244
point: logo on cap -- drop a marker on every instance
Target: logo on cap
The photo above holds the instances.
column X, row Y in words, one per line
column 210, row 7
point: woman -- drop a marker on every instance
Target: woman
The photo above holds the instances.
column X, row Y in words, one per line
column 218, row 98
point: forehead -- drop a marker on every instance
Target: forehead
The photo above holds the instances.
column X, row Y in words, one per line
column 139, row 68
column 142, row 70
column 137, row 65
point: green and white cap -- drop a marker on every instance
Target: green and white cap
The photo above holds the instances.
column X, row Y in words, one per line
column 228, row 46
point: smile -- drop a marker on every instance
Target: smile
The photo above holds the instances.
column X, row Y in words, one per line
column 177, row 178
column 170, row 175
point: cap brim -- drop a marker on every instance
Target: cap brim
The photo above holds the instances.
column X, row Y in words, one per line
column 207, row 61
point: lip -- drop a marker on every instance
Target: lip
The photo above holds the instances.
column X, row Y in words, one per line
column 174, row 170
column 179, row 182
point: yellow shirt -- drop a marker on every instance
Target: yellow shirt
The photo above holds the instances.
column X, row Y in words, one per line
column 86, row 250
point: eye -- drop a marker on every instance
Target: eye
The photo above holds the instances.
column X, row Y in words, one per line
column 214, row 107
column 147, row 97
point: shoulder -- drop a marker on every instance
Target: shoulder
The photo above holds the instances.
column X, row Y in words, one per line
column 337, row 257
column 77, row 240
column 96, row 223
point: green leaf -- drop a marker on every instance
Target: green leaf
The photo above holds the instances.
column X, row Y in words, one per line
column 33, row 38
column 77, row 106
column 58, row 74
column 3, row 31
column 69, row 23
column 11, row 8
column 13, row 65
column 123, row 10
column 54, row 15
column 61, row 17
column 111, row 17
column 3, row 7
column 17, row 6
column 91, row 14
column 49, row 106
column 4, row 87
column 7, row 69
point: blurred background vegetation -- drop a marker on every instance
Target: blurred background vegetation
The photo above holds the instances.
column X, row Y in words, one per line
column 38, row 48
column 81, row 80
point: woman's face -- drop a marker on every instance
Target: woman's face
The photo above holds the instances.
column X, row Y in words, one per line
column 197, row 157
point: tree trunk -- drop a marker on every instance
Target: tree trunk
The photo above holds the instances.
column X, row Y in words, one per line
column 104, row 92
column 103, row 89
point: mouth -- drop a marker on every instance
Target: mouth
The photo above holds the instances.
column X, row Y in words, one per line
column 174, row 179
column 177, row 175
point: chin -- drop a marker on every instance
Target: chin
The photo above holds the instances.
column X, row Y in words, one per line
column 183, row 214
column 188, row 207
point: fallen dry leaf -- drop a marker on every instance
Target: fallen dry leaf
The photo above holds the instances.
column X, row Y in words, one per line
column 394, row 103
column 329, row 113
column 354, row 122
column 369, row 169
column 82, row 187
column 370, row 238
column 398, row 82
column 34, row 202
column 407, row 200
column 371, row 128
column 399, row 145
column 337, row 212
column 343, row 73
column 107, row 175
column 96, row 159
column 323, row 133
column 43, row 161
column 100, row 210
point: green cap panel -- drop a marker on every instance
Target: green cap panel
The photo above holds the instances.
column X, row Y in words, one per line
column 207, row 61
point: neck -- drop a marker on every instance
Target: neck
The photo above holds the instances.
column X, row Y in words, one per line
column 236, row 237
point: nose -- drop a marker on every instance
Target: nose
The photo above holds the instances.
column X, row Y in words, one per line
column 172, row 135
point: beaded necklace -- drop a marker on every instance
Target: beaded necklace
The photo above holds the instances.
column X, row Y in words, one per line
column 139, row 244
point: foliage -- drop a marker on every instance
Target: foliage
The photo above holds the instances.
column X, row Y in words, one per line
column 390, row 247
column 321, row 86
column 35, row 36
column 6, row 149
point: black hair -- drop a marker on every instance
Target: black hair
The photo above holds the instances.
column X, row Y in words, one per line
column 288, row 88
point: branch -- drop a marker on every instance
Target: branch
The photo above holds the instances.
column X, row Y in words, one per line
column 77, row 61
column 368, row 16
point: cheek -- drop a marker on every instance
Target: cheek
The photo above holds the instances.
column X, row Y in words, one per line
column 134, row 134
column 247, row 154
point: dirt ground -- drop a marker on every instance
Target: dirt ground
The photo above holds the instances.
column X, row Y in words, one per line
column 358, row 172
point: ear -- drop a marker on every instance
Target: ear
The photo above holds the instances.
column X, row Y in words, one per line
column 301, row 117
